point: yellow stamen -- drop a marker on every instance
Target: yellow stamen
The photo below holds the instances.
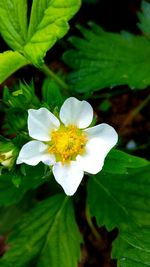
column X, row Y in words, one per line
column 67, row 142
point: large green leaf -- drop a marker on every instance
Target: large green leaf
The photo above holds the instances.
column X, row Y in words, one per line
column 10, row 62
column 121, row 199
column 48, row 23
column 46, row 236
column 103, row 59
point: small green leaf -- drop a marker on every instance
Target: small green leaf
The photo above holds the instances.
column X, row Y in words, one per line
column 121, row 199
column 51, row 93
column 103, row 59
column 22, row 98
column 10, row 62
column 46, row 236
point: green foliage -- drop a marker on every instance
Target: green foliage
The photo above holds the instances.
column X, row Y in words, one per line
column 9, row 216
column 51, row 94
column 43, row 233
column 13, row 22
column 122, row 194
column 144, row 17
column 129, row 252
column 16, row 103
column 13, row 185
column 48, row 23
column 10, row 62
column 103, row 59
column 56, row 240
column 22, row 96
column 124, row 162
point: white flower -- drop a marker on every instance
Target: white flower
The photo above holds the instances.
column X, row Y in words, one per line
column 67, row 144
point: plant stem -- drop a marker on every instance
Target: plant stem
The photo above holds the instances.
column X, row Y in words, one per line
column 92, row 227
column 48, row 72
column 134, row 112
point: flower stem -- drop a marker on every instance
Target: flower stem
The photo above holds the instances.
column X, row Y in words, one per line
column 93, row 229
column 48, row 72
column 134, row 112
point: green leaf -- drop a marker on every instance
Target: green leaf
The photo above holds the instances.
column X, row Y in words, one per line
column 13, row 22
column 144, row 17
column 22, row 98
column 46, row 236
column 9, row 216
column 18, row 101
column 10, row 62
column 130, row 254
column 9, row 193
column 51, row 93
column 102, row 59
column 124, row 162
column 124, row 202
column 48, row 23
column 119, row 196
column 13, row 186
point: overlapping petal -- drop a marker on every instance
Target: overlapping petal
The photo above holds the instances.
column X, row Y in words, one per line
column 34, row 152
column 68, row 176
column 40, row 123
column 79, row 113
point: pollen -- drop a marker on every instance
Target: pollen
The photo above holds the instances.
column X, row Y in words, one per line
column 66, row 143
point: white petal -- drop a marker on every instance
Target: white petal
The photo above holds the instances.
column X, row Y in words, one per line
column 33, row 152
column 101, row 139
column 104, row 132
column 79, row 113
column 40, row 123
column 93, row 159
column 68, row 176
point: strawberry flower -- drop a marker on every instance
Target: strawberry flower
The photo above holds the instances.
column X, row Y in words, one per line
column 67, row 144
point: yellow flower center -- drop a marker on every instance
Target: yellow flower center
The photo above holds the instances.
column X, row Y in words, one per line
column 67, row 142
